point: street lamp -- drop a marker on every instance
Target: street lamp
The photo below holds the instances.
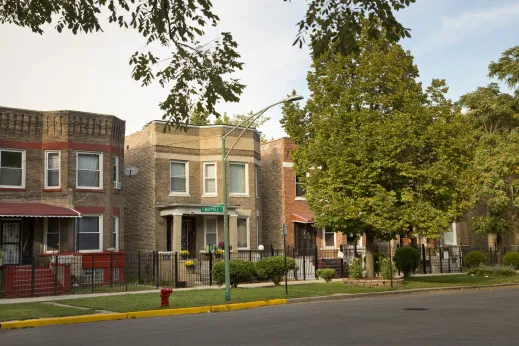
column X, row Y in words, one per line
column 225, row 155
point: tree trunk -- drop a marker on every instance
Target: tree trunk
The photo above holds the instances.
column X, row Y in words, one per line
column 370, row 252
column 499, row 248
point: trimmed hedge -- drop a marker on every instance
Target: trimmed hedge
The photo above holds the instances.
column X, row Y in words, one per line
column 240, row 271
column 407, row 260
column 475, row 259
column 273, row 268
column 484, row 270
column 385, row 269
column 511, row 259
column 326, row 274
column 356, row 268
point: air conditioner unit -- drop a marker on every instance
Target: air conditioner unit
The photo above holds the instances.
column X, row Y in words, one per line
column 117, row 185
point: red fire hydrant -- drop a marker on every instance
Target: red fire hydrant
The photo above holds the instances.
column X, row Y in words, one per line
column 164, row 297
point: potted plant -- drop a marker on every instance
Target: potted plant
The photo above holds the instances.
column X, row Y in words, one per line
column 218, row 253
column 190, row 265
column 221, row 245
column 184, row 254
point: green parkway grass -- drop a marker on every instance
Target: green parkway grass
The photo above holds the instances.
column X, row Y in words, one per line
column 181, row 299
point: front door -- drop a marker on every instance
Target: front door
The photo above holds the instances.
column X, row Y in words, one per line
column 305, row 235
column 11, row 241
column 188, row 236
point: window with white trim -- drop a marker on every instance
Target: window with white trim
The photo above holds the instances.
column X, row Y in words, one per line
column 52, row 169
column 115, row 233
column 12, row 168
column 179, row 178
column 51, row 236
column 256, row 180
column 211, row 231
column 243, row 233
column 300, row 191
column 450, row 238
column 238, row 178
column 90, row 233
column 98, row 275
column 210, row 178
column 116, row 275
column 89, row 170
column 328, row 238
column 117, row 184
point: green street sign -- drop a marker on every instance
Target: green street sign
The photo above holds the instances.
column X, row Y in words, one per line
column 212, row 209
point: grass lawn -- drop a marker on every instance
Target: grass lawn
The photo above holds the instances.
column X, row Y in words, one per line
column 36, row 310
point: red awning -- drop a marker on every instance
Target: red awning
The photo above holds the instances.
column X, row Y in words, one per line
column 303, row 217
column 36, row 210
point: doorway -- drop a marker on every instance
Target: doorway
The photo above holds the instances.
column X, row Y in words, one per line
column 11, row 241
column 305, row 235
column 188, row 235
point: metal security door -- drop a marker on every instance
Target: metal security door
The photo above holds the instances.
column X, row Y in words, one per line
column 11, row 241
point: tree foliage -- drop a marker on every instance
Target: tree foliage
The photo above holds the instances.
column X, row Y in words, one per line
column 507, row 68
column 384, row 156
column 199, row 75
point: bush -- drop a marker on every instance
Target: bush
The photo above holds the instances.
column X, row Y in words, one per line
column 273, row 268
column 376, row 258
column 475, row 259
column 326, row 274
column 511, row 259
column 240, row 271
column 407, row 260
column 484, row 270
column 385, row 269
column 356, row 268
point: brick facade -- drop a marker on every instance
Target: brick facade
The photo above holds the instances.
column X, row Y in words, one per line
column 66, row 133
column 155, row 214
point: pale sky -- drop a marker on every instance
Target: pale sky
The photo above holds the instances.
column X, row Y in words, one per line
column 454, row 40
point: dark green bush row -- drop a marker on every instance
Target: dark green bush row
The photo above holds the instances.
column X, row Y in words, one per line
column 484, row 270
column 326, row 274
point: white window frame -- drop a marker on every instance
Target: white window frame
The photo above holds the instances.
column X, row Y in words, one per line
column 116, row 274
column 45, row 232
column 24, row 171
column 100, row 249
column 215, row 193
column 205, row 229
column 324, row 246
column 256, row 180
column 116, row 168
column 298, row 198
column 173, row 193
column 98, row 279
column 240, row 194
column 46, row 169
column 454, row 232
column 248, row 232
column 100, row 170
column 115, row 231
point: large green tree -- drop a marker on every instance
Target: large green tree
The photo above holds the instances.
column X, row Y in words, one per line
column 495, row 118
column 383, row 155
column 199, row 73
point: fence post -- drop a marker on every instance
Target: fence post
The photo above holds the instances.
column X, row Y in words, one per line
column 56, row 276
column 176, row 269
column 111, row 269
column 93, row 272
column 441, row 261
column 342, row 261
column 449, row 262
column 304, row 265
column 250, row 255
column 210, row 270
column 355, row 250
column 158, row 271
column 460, row 251
column 125, row 272
column 430, row 262
column 424, row 262
column 491, row 259
column 272, row 250
column 316, row 259
column 139, row 267
column 32, row 276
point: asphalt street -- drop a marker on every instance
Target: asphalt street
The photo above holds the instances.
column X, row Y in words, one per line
column 471, row 317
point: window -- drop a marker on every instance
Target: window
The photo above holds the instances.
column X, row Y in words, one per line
column 12, row 168
column 328, row 238
column 52, row 169
column 115, row 276
column 211, row 231
column 243, row 233
column 89, row 170
column 210, row 178
column 300, row 191
column 256, row 179
column 115, row 233
column 117, row 184
column 90, row 233
column 98, row 275
column 449, row 238
column 179, row 183
column 238, row 178
column 51, row 237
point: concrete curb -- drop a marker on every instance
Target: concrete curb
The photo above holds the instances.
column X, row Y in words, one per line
column 138, row 314
column 342, row 296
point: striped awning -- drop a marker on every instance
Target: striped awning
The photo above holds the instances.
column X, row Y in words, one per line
column 36, row 210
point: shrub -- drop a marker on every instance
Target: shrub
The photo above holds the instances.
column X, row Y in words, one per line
column 407, row 260
column 385, row 269
column 326, row 274
column 240, row 271
column 376, row 258
column 497, row 270
column 475, row 259
column 511, row 259
column 356, row 268
column 273, row 268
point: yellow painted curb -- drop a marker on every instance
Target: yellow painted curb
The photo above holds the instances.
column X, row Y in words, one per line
column 62, row 320
column 139, row 314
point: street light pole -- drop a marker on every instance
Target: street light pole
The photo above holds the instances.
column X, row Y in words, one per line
column 225, row 155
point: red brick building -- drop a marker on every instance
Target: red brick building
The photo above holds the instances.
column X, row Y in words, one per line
column 283, row 202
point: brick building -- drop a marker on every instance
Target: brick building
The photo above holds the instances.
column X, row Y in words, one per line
column 180, row 173
column 60, row 174
column 283, row 202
